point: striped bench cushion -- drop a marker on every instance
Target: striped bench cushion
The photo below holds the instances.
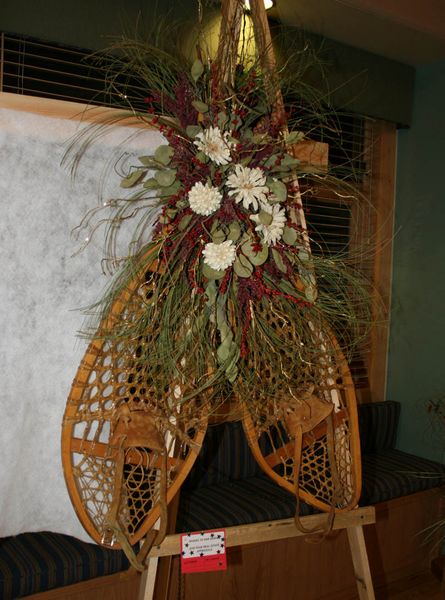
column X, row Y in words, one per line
column 36, row 562
column 391, row 474
column 241, row 502
column 386, row 475
column 225, row 455
column 378, row 423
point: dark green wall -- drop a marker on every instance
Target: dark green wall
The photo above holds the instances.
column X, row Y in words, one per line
column 361, row 82
column 416, row 370
column 85, row 23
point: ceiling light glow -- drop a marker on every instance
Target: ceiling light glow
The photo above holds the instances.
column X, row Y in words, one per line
column 267, row 4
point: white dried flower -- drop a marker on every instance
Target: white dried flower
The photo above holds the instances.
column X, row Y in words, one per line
column 215, row 145
column 270, row 228
column 248, row 186
column 204, row 199
column 219, row 256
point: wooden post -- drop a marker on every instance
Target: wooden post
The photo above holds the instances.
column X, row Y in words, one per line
column 148, row 580
column 360, row 562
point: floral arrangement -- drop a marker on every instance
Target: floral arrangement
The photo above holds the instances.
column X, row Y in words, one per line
column 233, row 303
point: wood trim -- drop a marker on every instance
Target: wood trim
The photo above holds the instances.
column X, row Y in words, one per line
column 383, row 199
column 74, row 111
column 268, row 531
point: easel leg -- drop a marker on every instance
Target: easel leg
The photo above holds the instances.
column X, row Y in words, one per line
column 360, row 562
column 158, row 571
column 148, row 579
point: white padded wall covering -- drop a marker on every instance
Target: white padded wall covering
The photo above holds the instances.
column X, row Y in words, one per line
column 42, row 287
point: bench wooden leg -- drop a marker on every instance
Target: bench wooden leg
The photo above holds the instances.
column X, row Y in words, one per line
column 360, row 562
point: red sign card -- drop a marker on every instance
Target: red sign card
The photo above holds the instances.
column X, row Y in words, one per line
column 203, row 551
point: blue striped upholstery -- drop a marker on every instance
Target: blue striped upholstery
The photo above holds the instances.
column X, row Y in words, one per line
column 392, row 473
column 34, row 562
column 378, row 423
column 225, row 455
column 239, row 502
column 224, row 496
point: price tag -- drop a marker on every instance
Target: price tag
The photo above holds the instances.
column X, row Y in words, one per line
column 203, row 551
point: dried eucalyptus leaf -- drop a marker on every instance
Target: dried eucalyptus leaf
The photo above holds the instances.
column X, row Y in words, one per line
column 212, row 273
column 147, row 161
column 151, row 184
column 218, row 236
column 163, row 154
column 261, row 107
column 310, row 292
column 133, row 178
column 289, row 236
column 193, row 130
column 170, row 190
column 201, row 107
column 278, row 189
column 234, row 231
column 294, row 136
column 265, row 218
column 270, row 161
column 210, row 290
column 303, row 254
column 197, row 69
column 290, row 162
column 279, row 260
column 184, row 222
column 232, row 370
column 242, row 266
column 257, row 258
column 202, row 157
column 180, row 204
column 222, row 353
column 307, row 277
column 226, row 348
column 261, row 138
column 222, row 119
column 166, row 177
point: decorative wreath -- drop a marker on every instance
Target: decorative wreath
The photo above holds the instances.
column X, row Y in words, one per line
column 226, row 301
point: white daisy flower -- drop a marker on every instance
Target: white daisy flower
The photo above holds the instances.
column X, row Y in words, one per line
column 270, row 223
column 248, row 186
column 204, row 199
column 215, row 145
column 219, row 256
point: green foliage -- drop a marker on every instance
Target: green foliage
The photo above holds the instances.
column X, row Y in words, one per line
column 276, row 301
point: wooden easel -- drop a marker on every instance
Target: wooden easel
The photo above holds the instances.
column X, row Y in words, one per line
column 352, row 521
